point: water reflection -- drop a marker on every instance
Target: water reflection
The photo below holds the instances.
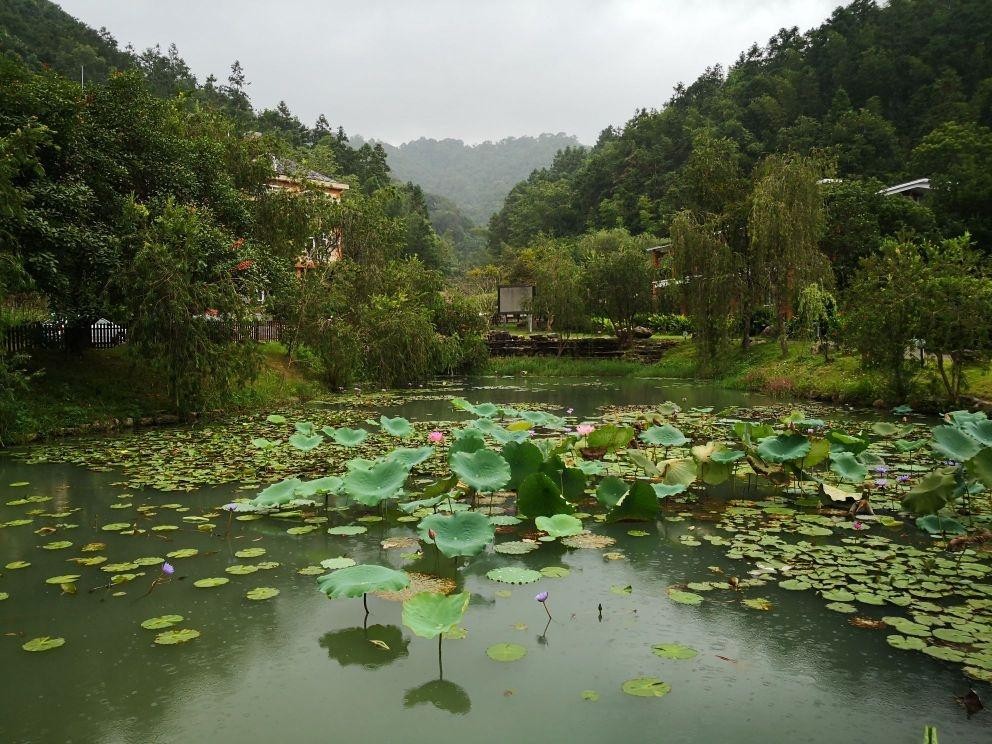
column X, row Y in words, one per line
column 369, row 647
column 443, row 694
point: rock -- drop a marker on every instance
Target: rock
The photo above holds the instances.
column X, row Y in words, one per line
column 879, row 403
column 642, row 332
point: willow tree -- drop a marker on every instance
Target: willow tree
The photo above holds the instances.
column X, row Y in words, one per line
column 784, row 227
column 704, row 265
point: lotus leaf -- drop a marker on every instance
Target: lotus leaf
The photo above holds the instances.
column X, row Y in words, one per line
column 514, row 575
column 610, row 490
column 559, row 525
column 483, row 470
column 43, row 643
column 646, row 687
column 506, row 652
column 674, row 651
column 639, row 504
column 954, row 443
column 410, row 457
column 370, row 486
column 464, row 533
column 929, row 494
column 278, row 493
column 934, row 524
column 347, row 529
column 639, row 458
column 610, row 437
column 524, row 459
column 664, row 436
column 354, row 581
column 305, row 442
column 980, row 467
column 783, row 448
column 430, row 614
column 173, row 637
column 398, row 427
column 348, row 437
column 679, row 472
column 841, row 442
column 516, row 547
column 538, row 496
column 847, row 467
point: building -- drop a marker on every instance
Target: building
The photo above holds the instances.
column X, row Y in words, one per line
column 288, row 175
column 914, row 190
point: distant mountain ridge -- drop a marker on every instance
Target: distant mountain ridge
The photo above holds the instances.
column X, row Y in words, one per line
column 476, row 177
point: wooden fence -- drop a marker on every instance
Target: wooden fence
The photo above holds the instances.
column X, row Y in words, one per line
column 62, row 336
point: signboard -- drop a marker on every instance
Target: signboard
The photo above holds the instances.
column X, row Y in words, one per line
column 515, row 299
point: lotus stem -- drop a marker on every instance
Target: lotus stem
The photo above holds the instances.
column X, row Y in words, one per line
column 548, row 611
column 440, row 665
column 365, row 602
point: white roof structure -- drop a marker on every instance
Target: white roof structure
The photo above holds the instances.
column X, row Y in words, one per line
column 915, row 188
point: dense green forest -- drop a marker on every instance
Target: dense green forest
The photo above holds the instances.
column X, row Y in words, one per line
column 141, row 196
column 891, row 91
column 475, row 177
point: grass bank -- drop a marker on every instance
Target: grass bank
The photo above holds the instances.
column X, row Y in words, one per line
column 761, row 368
column 102, row 388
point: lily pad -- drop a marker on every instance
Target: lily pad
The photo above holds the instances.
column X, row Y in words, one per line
column 674, row 651
column 43, row 643
column 262, row 592
column 161, row 622
column 506, row 652
column 210, row 582
column 514, row 575
column 174, row 637
column 650, row 687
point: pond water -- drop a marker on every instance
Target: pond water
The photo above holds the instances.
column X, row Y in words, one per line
column 299, row 667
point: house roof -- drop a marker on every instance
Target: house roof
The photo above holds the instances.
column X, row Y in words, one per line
column 918, row 186
column 288, row 168
column 664, row 245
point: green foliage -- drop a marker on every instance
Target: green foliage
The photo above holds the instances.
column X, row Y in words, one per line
column 464, row 533
column 354, row 581
column 618, row 276
column 430, row 615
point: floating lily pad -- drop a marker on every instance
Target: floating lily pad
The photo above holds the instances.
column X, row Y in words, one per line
column 250, row 553
column 161, row 622
column 43, row 643
column 210, row 582
column 506, row 652
column 514, row 575
column 333, row 564
column 555, row 572
column 674, row 651
column 174, row 637
column 682, row 597
column 348, row 529
column 262, row 592
column 516, row 547
column 650, row 687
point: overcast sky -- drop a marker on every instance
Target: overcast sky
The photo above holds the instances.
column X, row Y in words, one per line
column 469, row 69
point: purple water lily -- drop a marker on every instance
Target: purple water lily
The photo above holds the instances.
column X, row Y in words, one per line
column 881, row 469
column 881, row 483
column 168, row 569
column 542, row 597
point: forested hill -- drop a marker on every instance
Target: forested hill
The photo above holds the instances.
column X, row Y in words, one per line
column 891, row 91
column 476, row 177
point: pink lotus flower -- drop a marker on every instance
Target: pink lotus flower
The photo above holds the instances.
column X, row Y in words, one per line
column 432, row 535
column 584, row 430
column 569, row 411
column 435, row 437
column 858, row 525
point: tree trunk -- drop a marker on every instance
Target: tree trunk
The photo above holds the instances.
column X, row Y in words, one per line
column 746, row 340
column 782, row 340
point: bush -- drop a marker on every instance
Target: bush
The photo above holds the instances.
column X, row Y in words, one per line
column 13, row 383
column 339, row 352
column 670, row 324
column 399, row 341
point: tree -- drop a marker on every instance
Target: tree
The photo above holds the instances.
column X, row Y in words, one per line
column 784, row 227
column 559, row 291
column 706, row 280
column 618, row 277
column 816, row 311
column 956, row 311
column 881, row 309
column 187, row 309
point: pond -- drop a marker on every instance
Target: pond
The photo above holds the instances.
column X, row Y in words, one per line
column 686, row 607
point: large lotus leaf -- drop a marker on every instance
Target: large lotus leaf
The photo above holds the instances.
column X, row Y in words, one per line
column 524, row 459
column 329, row 484
column 679, row 472
column 347, row 437
column 541, row 418
column 503, row 436
column 538, row 496
column 610, row 490
column 410, row 457
column 663, row 491
column 463, row 533
column 486, row 426
column 429, row 615
column 980, row 467
column 847, row 467
column 442, row 694
column 639, row 504
column 641, row 460
column 669, row 408
column 726, row 456
column 560, row 525
column 884, row 428
column 980, row 430
column 935, row 524
column 929, row 494
column 714, row 473
column 664, row 436
column 783, row 448
column 905, row 446
column 571, row 481
column 749, row 432
column 304, row 442
column 304, row 427
column 398, row 427
column 371, row 647
column 354, row 581
column 466, row 440
column 819, row 450
column 371, row 485
column 841, row 442
column 278, row 493
column 964, row 419
column 610, row 437
column 483, row 470
column 954, row 443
